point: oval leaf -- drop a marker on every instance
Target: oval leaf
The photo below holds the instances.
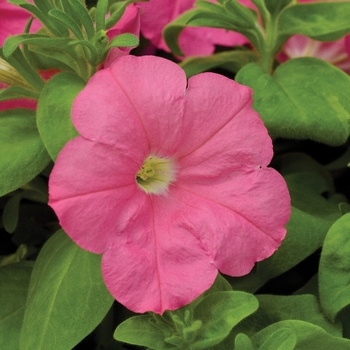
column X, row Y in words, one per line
column 67, row 298
column 140, row 330
column 282, row 339
column 14, row 282
column 219, row 313
column 334, row 273
column 22, row 153
column 306, row 98
column 54, row 111
column 308, row 336
column 242, row 342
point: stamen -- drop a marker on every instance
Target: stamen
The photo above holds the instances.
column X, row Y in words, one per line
column 156, row 174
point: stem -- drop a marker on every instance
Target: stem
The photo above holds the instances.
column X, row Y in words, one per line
column 268, row 49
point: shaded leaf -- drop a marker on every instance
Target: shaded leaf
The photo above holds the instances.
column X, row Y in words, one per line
column 22, row 153
column 334, row 272
column 14, row 282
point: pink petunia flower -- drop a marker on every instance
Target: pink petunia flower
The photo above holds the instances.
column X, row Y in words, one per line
column 193, row 41
column 169, row 181
column 335, row 52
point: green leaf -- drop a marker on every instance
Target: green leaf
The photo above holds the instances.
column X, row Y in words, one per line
column 55, row 27
column 14, row 282
column 242, row 342
column 15, row 92
column 309, row 336
column 142, row 331
column 10, row 213
column 36, row 40
column 22, row 153
column 219, row 313
column 275, row 308
column 334, row 272
column 124, row 40
column 84, row 16
column 47, row 58
column 54, row 111
column 230, row 60
column 20, row 254
column 101, row 11
column 67, row 297
column 68, row 22
column 305, row 307
column 321, row 21
column 282, row 339
column 306, row 98
column 276, row 6
column 43, row 41
column 178, row 329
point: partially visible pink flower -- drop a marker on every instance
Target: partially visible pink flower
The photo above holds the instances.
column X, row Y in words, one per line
column 13, row 20
column 335, row 52
column 169, row 181
column 193, row 41
column 332, row 52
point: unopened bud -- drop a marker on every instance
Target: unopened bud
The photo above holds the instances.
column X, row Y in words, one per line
column 10, row 76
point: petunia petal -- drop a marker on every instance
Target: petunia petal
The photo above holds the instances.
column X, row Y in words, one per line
column 155, row 271
column 224, row 119
column 226, row 143
column 252, row 209
column 107, row 115
column 159, row 100
column 94, row 192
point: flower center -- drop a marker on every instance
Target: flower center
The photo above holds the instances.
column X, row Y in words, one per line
column 156, row 174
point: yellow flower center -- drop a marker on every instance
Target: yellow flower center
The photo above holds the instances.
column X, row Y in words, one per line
column 156, row 174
